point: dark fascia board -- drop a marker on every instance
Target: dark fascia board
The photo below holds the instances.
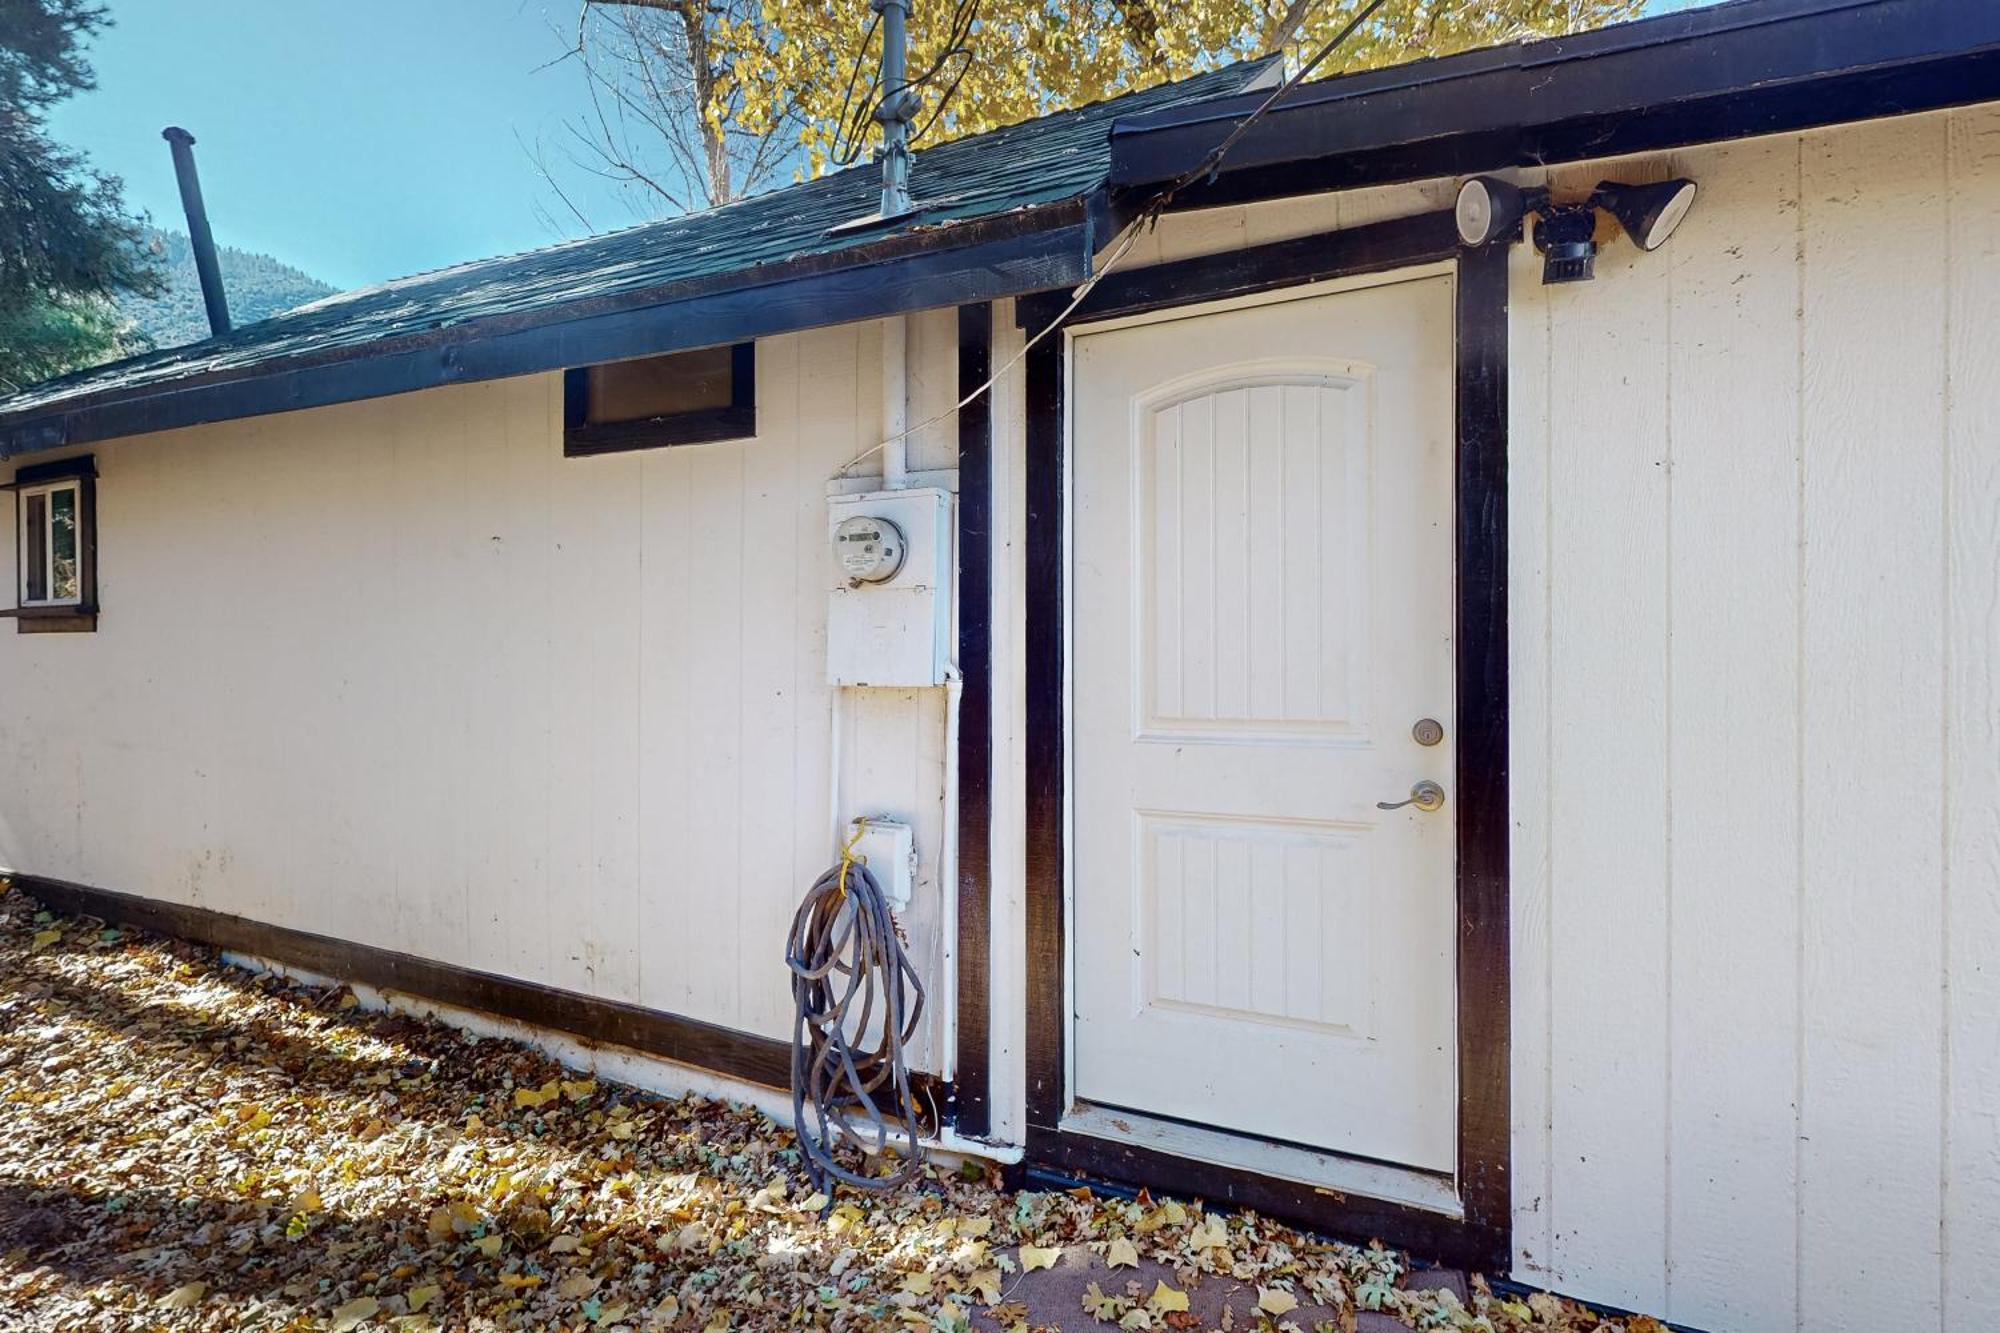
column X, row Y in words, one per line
column 1020, row 252
column 1699, row 76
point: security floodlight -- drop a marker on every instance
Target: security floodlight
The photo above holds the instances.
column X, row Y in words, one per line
column 1648, row 213
column 1489, row 208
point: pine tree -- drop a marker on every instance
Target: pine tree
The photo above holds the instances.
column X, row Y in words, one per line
column 67, row 245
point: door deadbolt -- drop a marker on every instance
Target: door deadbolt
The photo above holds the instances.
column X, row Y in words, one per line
column 1427, row 731
column 1425, row 795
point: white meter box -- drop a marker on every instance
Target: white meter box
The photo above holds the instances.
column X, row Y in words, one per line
column 888, row 615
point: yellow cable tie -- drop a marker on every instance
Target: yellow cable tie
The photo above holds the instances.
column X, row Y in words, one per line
column 847, row 856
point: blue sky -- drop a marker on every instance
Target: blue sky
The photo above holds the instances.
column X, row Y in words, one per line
column 356, row 139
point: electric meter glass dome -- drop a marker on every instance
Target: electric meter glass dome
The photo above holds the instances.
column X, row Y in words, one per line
column 869, row 549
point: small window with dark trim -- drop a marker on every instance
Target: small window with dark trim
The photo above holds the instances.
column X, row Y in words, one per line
column 679, row 398
column 55, row 554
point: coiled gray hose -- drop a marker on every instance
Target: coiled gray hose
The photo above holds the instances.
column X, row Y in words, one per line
column 846, row 960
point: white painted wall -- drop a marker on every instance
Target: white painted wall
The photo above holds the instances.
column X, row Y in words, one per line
column 1755, row 607
column 399, row 672
column 421, row 682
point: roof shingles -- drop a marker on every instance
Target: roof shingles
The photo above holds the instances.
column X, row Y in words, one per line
column 1049, row 160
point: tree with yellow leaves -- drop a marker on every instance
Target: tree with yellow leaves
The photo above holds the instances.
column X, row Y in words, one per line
column 697, row 102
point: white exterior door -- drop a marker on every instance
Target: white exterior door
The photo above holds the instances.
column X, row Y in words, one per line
column 1261, row 613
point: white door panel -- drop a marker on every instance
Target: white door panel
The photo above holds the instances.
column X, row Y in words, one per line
column 1261, row 610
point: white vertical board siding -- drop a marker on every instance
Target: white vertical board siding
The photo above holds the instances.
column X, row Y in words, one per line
column 1873, row 770
column 1754, row 506
column 1607, row 780
column 1971, row 1277
column 398, row 671
column 1731, row 1008
column 1008, row 958
column 1531, row 928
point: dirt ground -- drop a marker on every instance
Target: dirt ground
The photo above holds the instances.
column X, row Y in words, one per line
column 186, row 1145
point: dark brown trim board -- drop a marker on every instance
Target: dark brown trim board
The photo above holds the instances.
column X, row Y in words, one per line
column 689, row 1041
column 1482, row 1239
column 971, row 1078
column 710, row 1047
column 583, row 438
column 1484, row 1037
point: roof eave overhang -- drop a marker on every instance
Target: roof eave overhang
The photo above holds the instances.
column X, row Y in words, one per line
column 1026, row 250
column 1700, row 76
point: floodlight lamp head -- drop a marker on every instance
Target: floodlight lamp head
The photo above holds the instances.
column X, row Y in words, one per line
column 1648, row 213
column 1489, row 208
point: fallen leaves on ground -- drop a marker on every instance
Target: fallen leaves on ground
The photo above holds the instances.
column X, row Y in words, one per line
column 186, row 1145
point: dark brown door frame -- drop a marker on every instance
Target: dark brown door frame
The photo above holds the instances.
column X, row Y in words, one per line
column 1482, row 1239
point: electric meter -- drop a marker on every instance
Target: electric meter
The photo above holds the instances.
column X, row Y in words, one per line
column 869, row 549
column 888, row 611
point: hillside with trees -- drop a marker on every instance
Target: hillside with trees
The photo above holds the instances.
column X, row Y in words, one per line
column 258, row 287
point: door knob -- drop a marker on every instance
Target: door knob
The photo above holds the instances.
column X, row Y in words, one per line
column 1425, row 795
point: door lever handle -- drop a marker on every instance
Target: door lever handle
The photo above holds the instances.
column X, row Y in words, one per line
column 1425, row 795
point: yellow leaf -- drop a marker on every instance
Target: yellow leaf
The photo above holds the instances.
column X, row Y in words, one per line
column 1165, row 1300
column 580, row 1089
column 1036, row 1256
column 1273, row 1301
column 611, row 1314
column 44, row 938
column 986, row 1285
column 418, row 1297
column 1122, row 1254
column 355, row 1313
column 1099, row 1306
column 1546, row 1307
column 812, row 1203
column 184, row 1298
column 530, row 1098
column 717, row 1323
column 309, row 1202
column 1174, row 1213
column 1210, row 1235
column 917, row 1284
column 488, row 1245
column 972, row 1228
